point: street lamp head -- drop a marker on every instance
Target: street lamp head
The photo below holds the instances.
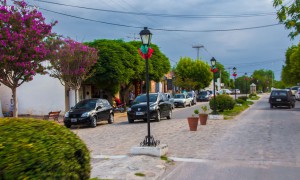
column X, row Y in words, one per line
column 146, row 36
column 234, row 70
column 245, row 74
column 213, row 61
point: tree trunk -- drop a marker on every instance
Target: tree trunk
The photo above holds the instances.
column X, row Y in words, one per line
column 76, row 96
column 15, row 110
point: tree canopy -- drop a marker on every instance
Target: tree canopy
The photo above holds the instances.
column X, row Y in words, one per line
column 290, row 74
column 71, row 61
column 192, row 74
column 22, row 45
column 289, row 14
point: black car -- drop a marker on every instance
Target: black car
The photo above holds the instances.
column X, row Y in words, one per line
column 281, row 97
column 159, row 107
column 89, row 111
column 203, row 96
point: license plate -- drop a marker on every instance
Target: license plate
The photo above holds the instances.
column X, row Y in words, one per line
column 139, row 113
column 73, row 120
column 278, row 99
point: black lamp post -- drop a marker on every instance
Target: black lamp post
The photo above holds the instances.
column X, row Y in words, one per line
column 246, row 79
column 234, row 76
column 146, row 36
column 213, row 67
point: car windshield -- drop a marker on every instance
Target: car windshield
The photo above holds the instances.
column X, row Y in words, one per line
column 279, row 93
column 143, row 98
column 295, row 88
column 203, row 93
column 190, row 94
column 86, row 104
column 179, row 96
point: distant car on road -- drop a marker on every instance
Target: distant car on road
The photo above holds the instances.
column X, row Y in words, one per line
column 171, row 99
column 281, row 97
column 89, row 111
column 182, row 100
column 294, row 89
column 297, row 95
column 193, row 97
column 237, row 91
column 160, row 107
column 224, row 91
column 203, row 96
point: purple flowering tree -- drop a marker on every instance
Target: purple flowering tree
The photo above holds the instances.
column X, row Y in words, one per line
column 71, row 62
column 22, row 46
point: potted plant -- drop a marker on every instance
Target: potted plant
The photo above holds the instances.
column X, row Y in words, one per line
column 193, row 121
column 204, row 115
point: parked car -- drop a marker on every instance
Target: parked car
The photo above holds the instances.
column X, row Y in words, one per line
column 224, row 91
column 237, row 91
column 193, row 97
column 297, row 95
column 294, row 89
column 171, row 99
column 281, row 97
column 160, row 107
column 89, row 111
column 182, row 100
column 203, row 96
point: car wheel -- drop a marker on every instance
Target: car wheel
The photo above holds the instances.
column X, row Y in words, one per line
column 157, row 116
column 145, row 119
column 184, row 105
column 170, row 114
column 93, row 122
column 111, row 119
column 293, row 105
column 130, row 120
column 271, row 106
column 190, row 104
column 68, row 125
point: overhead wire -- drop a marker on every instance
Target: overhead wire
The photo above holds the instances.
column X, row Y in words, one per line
column 164, row 15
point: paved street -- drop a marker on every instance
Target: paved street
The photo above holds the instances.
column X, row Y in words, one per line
column 256, row 140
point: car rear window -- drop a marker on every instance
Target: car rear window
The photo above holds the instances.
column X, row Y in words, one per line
column 279, row 93
column 203, row 93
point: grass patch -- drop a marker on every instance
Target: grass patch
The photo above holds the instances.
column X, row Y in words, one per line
column 140, row 174
column 229, row 114
column 165, row 158
column 254, row 98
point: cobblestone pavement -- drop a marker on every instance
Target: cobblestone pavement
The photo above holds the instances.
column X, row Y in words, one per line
column 110, row 145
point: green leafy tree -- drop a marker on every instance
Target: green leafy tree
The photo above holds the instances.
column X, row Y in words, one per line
column 192, row 74
column 290, row 74
column 289, row 14
column 159, row 64
column 118, row 62
column 263, row 79
column 22, row 45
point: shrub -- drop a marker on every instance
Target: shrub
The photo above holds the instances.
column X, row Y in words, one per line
column 240, row 101
column 223, row 102
column 38, row 149
column 252, row 94
column 243, row 98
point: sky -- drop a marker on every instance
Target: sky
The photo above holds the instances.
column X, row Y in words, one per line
column 227, row 29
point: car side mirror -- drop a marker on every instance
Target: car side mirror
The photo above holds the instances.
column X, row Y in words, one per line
column 161, row 100
column 98, row 107
column 72, row 108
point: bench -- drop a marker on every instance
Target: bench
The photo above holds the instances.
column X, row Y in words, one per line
column 52, row 115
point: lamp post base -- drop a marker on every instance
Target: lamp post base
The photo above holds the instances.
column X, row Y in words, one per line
column 158, row 151
column 150, row 141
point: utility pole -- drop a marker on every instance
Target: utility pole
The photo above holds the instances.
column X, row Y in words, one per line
column 198, row 49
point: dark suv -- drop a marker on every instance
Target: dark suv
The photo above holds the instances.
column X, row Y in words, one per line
column 89, row 111
column 281, row 97
column 159, row 107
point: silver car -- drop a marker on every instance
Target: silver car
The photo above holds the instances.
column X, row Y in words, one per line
column 182, row 100
column 171, row 99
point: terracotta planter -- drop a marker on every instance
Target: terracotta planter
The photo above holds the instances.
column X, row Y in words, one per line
column 193, row 123
column 203, row 118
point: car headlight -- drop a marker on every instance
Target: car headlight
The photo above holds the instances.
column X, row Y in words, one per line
column 86, row 114
column 128, row 109
column 67, row 114
column 152, row 108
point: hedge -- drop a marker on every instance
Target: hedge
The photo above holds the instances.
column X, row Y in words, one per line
column 223, row 102
column 39, row 149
